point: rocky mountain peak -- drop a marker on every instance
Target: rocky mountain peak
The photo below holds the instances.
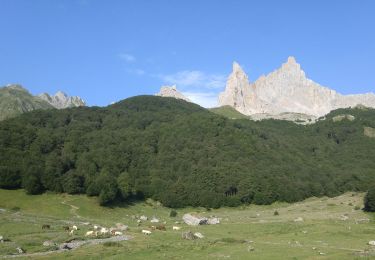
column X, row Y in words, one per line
column 291, row 68
column 292, row 61
column 171, row 91
column 61, row 100
column 61, row 95
column 285, row 90
column 16, row 87
column 236, row 88
column 237, row 71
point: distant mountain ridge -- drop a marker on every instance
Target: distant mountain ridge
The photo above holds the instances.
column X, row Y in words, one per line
column 15, row 100
column 61, row 100
column 286, row 90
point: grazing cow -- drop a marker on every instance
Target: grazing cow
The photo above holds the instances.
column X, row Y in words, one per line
column 45, row 226
column 371, row 243
column 75, row 228
column 146, row 232
column 104, row 230
column 161, row 227
column 71, row 232
column 89, row 233
column 66, row 228
column 96, row 227
column 118, row 233
column 176, row 228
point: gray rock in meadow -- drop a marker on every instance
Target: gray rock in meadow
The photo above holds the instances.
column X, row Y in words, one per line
column 192, row 220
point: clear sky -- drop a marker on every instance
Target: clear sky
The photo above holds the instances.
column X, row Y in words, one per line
column 107, row 50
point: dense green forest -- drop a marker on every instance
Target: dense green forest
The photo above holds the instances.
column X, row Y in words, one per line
column 184, row 155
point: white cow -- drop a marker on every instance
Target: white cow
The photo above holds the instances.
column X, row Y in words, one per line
column 118, row 233
column 371, row 243
column 146, row 232
column 96, row 227
column 89, row 233
column 71, row 232
column 176, row 228
column 75, row 228
column 104, row 230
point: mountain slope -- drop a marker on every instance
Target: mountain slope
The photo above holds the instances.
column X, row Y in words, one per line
column 15, row 100
column 228, row 112
column 181, row 154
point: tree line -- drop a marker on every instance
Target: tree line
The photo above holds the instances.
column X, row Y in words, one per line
column 183, row 155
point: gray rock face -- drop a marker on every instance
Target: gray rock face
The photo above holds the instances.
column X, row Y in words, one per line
column 286, row 90
column 61, row 100
column 171, row 91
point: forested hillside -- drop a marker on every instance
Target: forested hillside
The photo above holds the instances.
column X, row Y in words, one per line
column 182, row 154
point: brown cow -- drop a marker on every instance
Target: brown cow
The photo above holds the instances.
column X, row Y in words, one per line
column 161, row 227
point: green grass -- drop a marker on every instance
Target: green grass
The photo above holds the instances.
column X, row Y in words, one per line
column 247, row 232
column 228, row 112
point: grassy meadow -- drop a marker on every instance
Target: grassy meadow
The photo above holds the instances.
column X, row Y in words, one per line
column 332, row 228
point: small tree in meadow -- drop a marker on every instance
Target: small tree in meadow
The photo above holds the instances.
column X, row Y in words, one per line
column 370, row 200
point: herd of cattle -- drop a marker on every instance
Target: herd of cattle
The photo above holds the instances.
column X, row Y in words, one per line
column 112, row 231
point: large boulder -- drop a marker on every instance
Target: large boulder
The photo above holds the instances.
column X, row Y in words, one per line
column 299, row 219
column 213, row 221
column 192, row 220
column 154, row 220
column 198, row 235
column 122, row 227
column 49, row 243
column 188, row 235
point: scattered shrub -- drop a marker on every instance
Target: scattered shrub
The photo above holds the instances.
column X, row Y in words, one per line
column 370, row 200
column 173, row 213
column 231, row 240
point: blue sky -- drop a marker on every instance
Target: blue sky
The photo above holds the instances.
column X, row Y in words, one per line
column 105, row 51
